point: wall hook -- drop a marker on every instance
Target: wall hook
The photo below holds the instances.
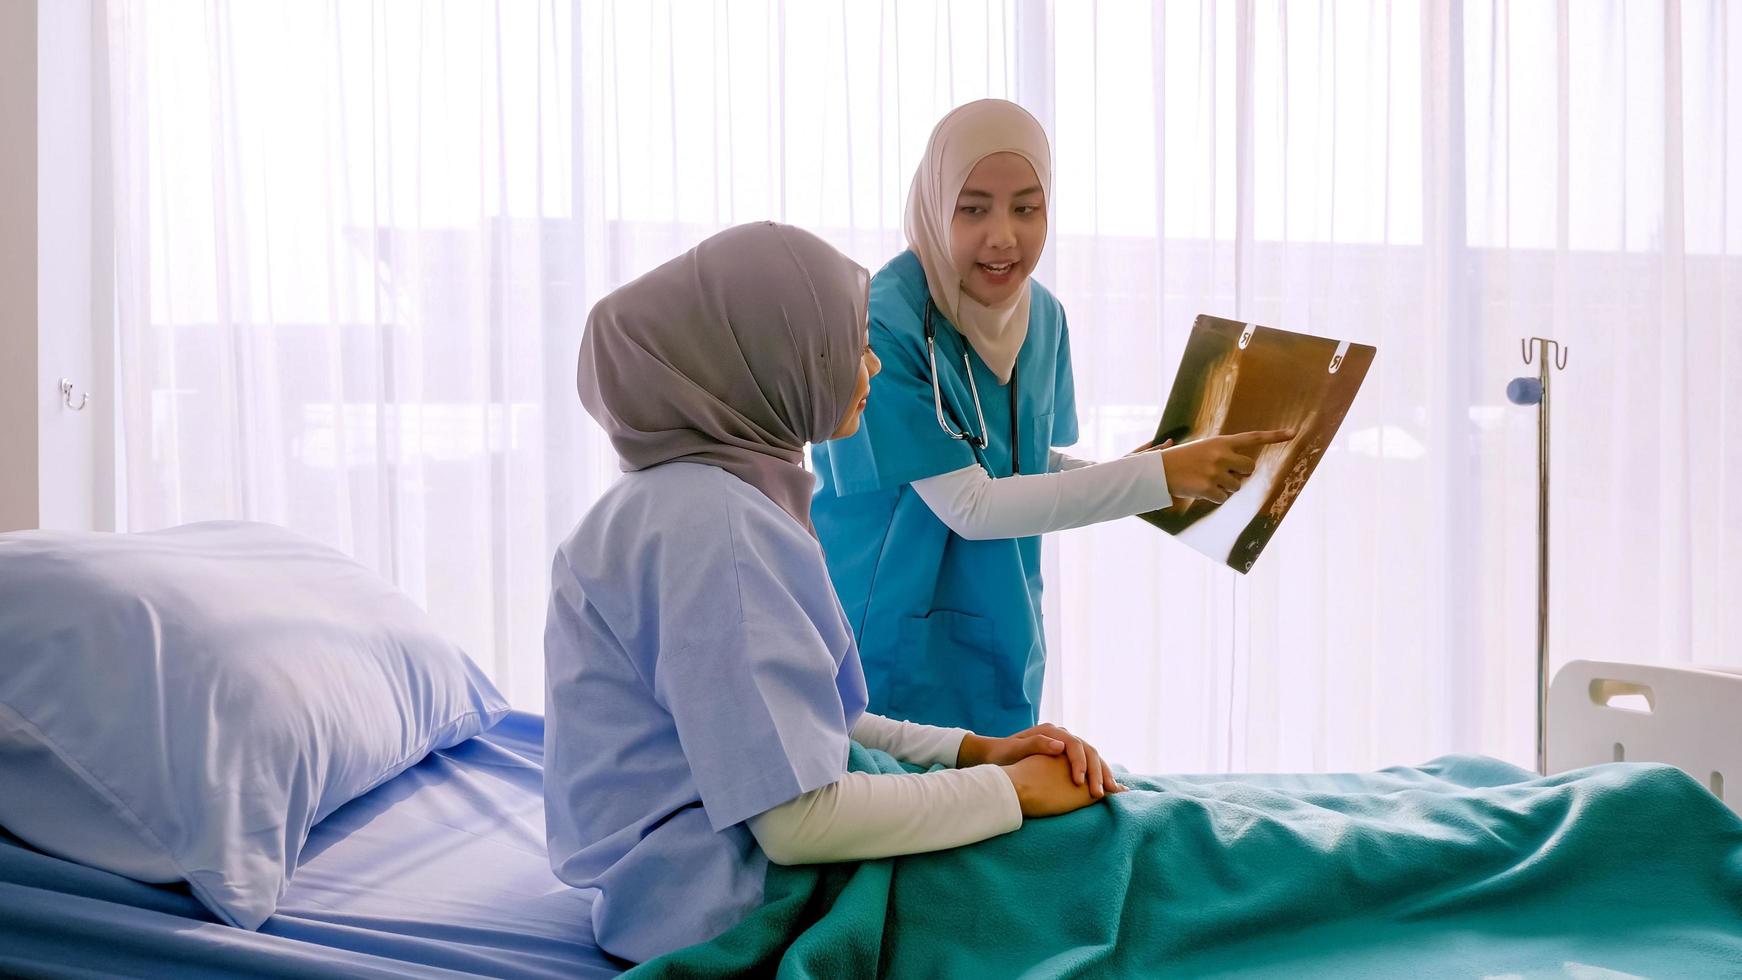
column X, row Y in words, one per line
column 66, row 395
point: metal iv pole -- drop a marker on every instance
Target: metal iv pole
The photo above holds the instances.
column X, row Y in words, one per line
column 1535, row 391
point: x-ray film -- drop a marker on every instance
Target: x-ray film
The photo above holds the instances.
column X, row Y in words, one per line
column 1239, row 377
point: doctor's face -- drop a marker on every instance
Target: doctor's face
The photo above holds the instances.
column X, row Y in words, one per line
column 869, row 365
column 999, row 227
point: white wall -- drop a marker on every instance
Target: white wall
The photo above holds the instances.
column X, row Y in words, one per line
column 56, row 465
column 66, row 440
column 18, row 287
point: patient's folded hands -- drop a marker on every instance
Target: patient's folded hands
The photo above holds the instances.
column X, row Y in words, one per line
column 1087, row 771
column 1045, row 786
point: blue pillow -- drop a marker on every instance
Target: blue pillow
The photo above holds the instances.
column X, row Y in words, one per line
column 183, row 705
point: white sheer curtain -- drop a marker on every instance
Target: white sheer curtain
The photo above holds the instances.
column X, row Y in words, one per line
column 356, row 243
column 350, row 280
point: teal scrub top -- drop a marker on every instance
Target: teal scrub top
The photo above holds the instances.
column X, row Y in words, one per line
column 949, row 630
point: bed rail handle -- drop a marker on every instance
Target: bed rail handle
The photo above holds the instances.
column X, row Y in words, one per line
column 1623, row 695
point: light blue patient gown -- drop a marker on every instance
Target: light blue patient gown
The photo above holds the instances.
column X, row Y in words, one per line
column 699, row 671
column 949, row 629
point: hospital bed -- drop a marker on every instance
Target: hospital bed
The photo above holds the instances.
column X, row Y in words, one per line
column 442, row 871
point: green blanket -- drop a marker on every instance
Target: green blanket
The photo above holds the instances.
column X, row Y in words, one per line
column 1464, row 867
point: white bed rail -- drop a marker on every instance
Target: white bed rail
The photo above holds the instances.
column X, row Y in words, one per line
column 1689, row 717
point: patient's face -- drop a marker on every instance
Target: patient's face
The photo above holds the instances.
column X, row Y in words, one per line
column 999, row 227
column 869, row 365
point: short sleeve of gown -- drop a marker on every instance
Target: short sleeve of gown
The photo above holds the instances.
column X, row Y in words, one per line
column 899, row 440
column 753, row 696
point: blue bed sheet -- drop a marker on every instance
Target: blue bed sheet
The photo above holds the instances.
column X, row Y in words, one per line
column 439, row 872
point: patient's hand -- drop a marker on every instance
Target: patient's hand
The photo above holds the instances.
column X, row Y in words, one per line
column 1045, row 788
column 1086, row 767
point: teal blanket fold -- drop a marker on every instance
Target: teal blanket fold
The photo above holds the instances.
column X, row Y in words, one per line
column 1464, row 867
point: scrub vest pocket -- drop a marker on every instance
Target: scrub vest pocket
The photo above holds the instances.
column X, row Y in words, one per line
column 981, row 676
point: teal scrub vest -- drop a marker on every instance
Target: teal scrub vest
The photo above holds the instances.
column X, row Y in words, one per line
column 949, row 630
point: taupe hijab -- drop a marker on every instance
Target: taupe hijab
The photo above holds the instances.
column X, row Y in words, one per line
column 736, row 353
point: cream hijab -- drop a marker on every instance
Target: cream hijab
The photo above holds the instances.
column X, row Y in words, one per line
column 969, row 134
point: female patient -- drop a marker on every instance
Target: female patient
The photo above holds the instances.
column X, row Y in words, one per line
column 702, row 680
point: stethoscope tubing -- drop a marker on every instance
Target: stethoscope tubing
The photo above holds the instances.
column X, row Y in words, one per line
column 977, row 441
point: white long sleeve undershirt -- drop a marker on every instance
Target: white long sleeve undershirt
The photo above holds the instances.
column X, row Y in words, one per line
column 863, row 816
column 923, row 745
column 978, row 507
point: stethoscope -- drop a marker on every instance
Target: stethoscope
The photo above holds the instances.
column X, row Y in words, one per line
column 977, row 441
